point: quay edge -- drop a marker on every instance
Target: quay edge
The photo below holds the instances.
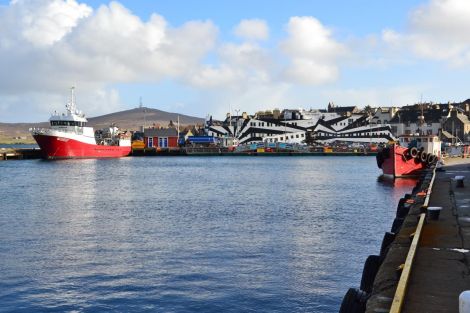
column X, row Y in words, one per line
column 20, row 154
column 28, row 154
column 440, row 271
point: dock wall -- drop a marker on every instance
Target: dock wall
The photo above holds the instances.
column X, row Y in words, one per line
column 381, row 272
column 424, row 262
column 20, row 154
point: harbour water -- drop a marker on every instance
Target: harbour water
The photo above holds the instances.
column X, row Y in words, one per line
column 189, row 234
column 19, row 146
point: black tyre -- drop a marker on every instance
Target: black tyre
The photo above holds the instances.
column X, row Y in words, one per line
column 371, row 267
column 354, row 301
column 414, row 152
column 402, row 211
column 401, row 202
column 424, row 157
column 397, row 222
column 386, row 242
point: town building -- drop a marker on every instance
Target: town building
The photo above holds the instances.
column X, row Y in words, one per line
column 166, row 138
column 343, row 111
column 457, row 125
column 300, row 126
column 419, row 118
column 383, row 115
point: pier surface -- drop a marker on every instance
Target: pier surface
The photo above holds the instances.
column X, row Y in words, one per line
column 19, row 154
column 441, row 268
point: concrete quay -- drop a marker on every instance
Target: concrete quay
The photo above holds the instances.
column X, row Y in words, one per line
column 441, row 267
column 19, row 154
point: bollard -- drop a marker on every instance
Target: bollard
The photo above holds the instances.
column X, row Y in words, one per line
column 464, row 302
column 459, row 181
column 433, row 212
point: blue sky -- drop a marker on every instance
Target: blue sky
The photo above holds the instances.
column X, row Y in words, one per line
column 202, row 57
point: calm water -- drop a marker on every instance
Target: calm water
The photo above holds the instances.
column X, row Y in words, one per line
column 189, row 234
column 18, row 146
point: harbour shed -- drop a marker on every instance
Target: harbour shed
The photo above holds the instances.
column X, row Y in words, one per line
column 160, row 138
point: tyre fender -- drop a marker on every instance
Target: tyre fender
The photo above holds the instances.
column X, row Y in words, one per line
column 354, row 301
column 414, row 152
column 371, row 267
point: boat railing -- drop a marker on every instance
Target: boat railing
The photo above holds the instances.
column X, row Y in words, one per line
column 49, row 131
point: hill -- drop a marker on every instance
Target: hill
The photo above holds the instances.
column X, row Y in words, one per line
column 127, row 120
column 134, row 119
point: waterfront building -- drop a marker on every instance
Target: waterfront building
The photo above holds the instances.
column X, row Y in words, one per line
column 301, row 126
column 457, row 125
column 383, row 115
column 160, row 138
column 408, row 119
column 343, row 111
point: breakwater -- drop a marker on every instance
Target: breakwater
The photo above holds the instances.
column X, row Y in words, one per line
column 422, row 265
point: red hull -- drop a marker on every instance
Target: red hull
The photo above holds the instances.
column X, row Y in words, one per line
column 395, row 162
column 64, row 148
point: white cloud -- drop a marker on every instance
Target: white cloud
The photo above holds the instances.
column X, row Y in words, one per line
column 47, row 46
column 41, row 23
column 116, row 46
column 392, row 38
column 312, row 50
column 241, row 66
column 246, row 55
column 311, row 72
column 109, row 45
column 254, row 29
column 438, row 30
column 210, row 76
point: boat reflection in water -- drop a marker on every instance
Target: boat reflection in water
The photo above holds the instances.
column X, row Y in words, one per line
column 397, row 182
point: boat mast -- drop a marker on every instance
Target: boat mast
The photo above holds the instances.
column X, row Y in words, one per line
column 71, row 105
column 421, row 120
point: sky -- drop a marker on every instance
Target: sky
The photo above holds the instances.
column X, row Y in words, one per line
column 208, row 57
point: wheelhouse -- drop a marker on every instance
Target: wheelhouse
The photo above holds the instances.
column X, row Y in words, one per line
column 68, row 123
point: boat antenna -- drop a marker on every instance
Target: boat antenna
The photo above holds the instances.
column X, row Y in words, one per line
column 71, row 105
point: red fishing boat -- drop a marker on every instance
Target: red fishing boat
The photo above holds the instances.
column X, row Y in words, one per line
column 69, row 137
column 410, row 156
